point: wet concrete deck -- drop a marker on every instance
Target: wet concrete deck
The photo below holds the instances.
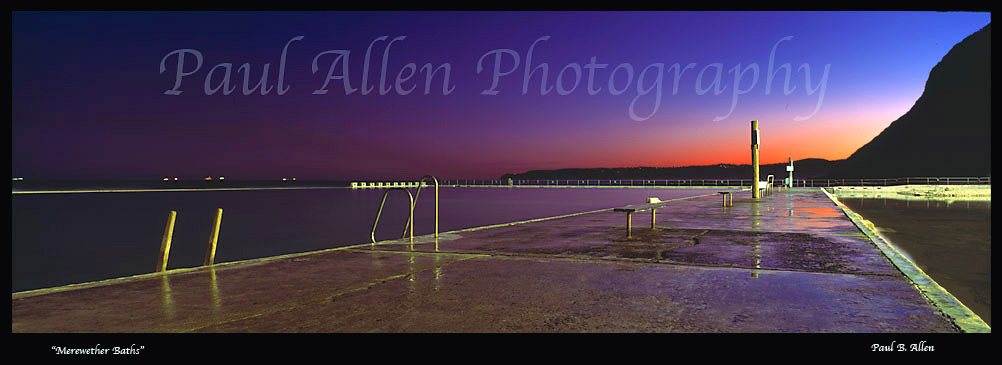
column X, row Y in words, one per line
column 791, row 262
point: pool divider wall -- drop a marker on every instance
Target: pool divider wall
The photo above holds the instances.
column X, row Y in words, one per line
column 962, row 317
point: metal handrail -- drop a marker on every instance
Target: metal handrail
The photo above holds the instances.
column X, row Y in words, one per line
column 416, row 196
column 380, row 212
column 807, row 183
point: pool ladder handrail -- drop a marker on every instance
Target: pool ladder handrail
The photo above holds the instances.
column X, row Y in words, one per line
column 417, row 195
column 380, row 212
column 409, row 227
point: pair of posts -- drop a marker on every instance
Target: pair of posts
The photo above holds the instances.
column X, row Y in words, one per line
column 210, row 252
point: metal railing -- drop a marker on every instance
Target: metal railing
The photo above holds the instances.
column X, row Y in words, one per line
column 726, row 182
column 894, row 181
column 602, row 182
column 417, row 195
column 410, row 217
column 409, row 227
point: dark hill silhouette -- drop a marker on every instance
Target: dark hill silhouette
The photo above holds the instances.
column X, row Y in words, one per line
column 948, row 130
column 946, row 133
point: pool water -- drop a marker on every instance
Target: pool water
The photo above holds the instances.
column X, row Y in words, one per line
column 950, row 241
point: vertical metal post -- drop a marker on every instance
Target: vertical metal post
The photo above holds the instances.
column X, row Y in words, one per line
column 436, row 212
column 410, row 218
column 421, row 184
column 629, row 225
column 652, row 217
column 165, row 244
column 754, row 154
column 210, row 253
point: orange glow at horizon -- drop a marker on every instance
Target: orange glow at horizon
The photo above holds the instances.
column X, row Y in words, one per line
column 830, row 138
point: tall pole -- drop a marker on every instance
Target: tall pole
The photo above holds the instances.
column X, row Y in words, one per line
column 754, row 159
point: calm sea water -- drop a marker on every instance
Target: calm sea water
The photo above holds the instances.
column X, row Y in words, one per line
column 61, row 239
column 951, row 242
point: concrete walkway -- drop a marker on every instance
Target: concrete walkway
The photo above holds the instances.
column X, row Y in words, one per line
column 791, row 262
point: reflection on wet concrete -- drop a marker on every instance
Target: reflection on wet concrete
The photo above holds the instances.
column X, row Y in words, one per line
column 756, row 248
column 949, row 240
column 410, row 268
column 167, row 298
column 438, row 270
column 217, row 299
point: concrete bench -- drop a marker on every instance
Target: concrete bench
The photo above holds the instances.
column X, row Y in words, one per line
column 728, row 198
column 630, row 209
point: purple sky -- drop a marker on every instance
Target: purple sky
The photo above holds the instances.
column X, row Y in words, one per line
column 89, row 101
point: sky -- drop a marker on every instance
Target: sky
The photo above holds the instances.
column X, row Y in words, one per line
column 347, row 95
